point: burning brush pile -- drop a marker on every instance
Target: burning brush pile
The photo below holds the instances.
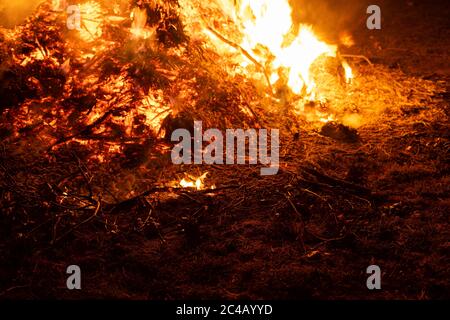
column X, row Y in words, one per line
column 115, row 84
column 88, row 104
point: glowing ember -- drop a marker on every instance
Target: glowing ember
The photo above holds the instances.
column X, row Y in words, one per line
column 154, row 109
column 35, row 55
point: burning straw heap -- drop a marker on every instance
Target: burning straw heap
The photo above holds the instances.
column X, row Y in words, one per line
column 114, row 90
column 86, row 114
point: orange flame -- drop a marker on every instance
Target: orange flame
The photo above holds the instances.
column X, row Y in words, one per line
column 348, row 72
column 269, row 23
column 91, row 21
column 138, row 26
column 194, row 183
column 270, row 35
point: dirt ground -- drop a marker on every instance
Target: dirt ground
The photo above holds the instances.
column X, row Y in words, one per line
column 309, row 233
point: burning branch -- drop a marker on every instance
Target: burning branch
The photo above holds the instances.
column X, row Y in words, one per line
column 88, row 128
column 245, row 53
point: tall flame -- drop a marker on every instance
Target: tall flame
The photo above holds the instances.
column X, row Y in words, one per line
column 269, row 23
column 268, row 32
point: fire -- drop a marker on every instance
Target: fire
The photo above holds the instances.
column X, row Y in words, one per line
column 348, row 72
column 138, row 27
column 269, row 34
column 269, row 24
column 194, row 183
column 35, row 55
column 91, row 21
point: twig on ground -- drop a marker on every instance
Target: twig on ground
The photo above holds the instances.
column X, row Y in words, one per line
column 356, row 56
column 97, row 209
column 302, row 231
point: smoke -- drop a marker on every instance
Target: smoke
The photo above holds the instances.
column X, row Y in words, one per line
column 330, row 17
column 14, row 12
